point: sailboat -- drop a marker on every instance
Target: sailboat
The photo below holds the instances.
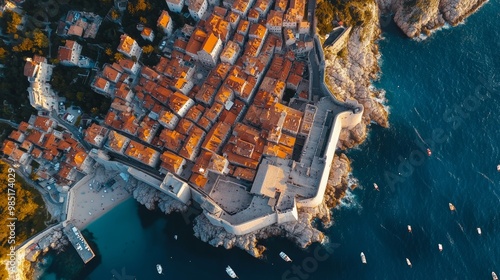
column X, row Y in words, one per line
column 285, row 257
column 159, row 269
column 230, row 272
column 408, row 262
column 363, row 257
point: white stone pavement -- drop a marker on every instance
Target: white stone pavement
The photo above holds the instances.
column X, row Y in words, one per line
column 86, row 204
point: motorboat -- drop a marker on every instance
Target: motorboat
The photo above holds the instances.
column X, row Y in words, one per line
column 409, row 228
column 440, row 247
column 159, row 269
column 175, row 237
column 452, row 207
column 376, row 186
column 230, row 272
column 363, row 257
column 479, row 231
column 498, row 168
column 429, row 152
column 494, row 275
column 408, row 262
column 285, row 257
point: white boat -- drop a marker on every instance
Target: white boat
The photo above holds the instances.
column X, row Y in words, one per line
column 230, row 272
column 494, row 275
column 429, row 152
column 408, row 262
column 285, row 257
column 409, row 228
column 498, row 168
column 452, row 207
column 175, row 237
column 159, row 269
column 375, row 186
column 440, row 247
column 479, row 231
column 363, row 257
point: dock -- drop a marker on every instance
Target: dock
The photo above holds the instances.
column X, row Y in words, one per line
column 78, row 241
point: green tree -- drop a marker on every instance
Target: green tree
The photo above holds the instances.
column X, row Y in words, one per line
column 40, row 40
column 148, row 49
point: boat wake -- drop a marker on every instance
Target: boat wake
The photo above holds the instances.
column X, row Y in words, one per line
column 486, row 177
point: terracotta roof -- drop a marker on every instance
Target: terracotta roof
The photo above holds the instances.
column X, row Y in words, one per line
column 43, row 123
column 163, row 19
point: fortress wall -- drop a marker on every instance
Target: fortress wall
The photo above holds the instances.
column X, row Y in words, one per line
column 346, row 119
column 243, row 228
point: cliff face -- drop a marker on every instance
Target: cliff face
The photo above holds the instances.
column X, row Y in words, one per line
column 350, row 73
column 415, row 17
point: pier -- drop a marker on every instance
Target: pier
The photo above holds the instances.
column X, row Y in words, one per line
column 78, row 241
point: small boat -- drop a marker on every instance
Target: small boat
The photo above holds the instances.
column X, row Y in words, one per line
column 285, row 257
column 494, row 275
column 452, row 207
column 479, row 231
column 429, row 152
column 409, row 228
column 159, row 269
column 375, row 186
column 175, row 237
column 363, row 257
column 408, row 262
column 230, row 272
column 440, row 247
column 498, row 168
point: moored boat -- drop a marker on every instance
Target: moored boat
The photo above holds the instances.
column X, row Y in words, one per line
column 376, row 186
column 498, row 168
column 440, row 247
column 494, row 275
column 285, row 257
column 479, row 231
column 363, row 257
column 159, row 269
column 231, row 272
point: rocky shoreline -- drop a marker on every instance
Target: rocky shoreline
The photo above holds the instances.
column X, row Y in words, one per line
column 427, row 15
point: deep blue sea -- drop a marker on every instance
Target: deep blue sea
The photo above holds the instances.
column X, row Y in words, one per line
column 443, row 94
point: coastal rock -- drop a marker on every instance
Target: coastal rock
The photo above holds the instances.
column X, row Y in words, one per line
column 423, row 16
column 349, row 75
column 152, row 198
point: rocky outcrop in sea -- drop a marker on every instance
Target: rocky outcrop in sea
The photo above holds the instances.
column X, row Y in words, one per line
column 422, row 16
column 152, row 198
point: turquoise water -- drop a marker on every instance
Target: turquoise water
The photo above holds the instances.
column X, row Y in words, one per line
column 443, row 93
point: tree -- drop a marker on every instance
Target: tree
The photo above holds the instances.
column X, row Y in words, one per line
column 24, row 46
column 115, row 14
column 148, row 49
column 109, row 51
column 40, row 39
column 118, row 56
column 3, row 53
column 13, row 20
column 79, row 96
column 143, row 20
